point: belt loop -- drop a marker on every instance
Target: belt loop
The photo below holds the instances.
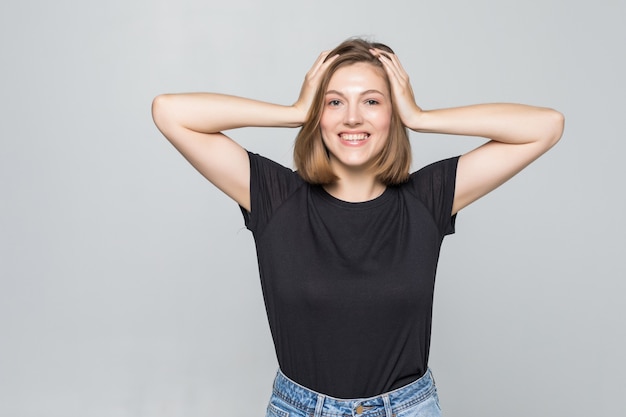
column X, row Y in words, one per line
column 388, row 410
column 319, row 405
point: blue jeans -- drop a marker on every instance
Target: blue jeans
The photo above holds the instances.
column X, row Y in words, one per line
column 417, row 399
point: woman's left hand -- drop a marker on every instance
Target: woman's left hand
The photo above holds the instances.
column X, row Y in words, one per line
column 401, row 90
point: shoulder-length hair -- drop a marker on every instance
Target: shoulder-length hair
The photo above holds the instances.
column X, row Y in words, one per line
column 311, row 157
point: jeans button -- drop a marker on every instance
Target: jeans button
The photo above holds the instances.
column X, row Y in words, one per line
column 359, row 409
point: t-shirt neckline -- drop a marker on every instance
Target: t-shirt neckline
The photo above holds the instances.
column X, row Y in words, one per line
column 375, row 202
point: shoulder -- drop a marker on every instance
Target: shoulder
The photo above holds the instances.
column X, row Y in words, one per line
column 271, row 184
column 266, row 170
column 437, row 175
column 262, row 161
column 445, row 167
column 434, row 186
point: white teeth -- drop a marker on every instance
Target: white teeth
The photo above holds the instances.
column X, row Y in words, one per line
column 354, row 137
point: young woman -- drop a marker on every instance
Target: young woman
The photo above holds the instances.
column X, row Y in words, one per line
column 348, row 245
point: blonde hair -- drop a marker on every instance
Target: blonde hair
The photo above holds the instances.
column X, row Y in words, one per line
column 310, row 155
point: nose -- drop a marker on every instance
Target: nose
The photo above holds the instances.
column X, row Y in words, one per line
column 353, row 116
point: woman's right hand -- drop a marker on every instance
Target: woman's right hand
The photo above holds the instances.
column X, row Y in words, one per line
column 311, row 83
column 194, row 122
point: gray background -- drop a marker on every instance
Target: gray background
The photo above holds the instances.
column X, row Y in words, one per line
column 128, row 285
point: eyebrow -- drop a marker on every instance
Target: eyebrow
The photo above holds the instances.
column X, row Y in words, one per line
column 363, row 93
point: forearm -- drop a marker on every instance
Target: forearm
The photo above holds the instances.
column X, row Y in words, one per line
column 212, row 113
column 508, row 123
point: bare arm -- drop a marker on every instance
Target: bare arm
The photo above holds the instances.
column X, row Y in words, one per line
column 518, row 134
column 194, row 122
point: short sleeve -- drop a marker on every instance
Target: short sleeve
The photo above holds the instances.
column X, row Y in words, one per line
column 434, row 185
column 270, row 185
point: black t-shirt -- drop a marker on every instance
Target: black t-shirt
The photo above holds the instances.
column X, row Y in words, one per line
column 348, row 287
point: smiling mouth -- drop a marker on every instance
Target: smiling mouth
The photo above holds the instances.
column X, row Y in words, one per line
column 354, row 137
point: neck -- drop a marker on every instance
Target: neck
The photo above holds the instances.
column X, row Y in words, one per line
column 355, row 189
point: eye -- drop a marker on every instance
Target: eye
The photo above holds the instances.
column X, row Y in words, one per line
column 371, row 102
column 334, row 103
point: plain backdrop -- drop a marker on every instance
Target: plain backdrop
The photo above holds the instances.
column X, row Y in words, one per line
column 129, row 285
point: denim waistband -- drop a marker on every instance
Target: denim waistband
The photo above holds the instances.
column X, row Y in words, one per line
column 388, row 404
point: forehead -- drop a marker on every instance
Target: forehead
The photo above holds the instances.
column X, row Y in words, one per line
column 360, row 75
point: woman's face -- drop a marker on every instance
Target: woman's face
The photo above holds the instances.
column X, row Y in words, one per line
column 356, row 116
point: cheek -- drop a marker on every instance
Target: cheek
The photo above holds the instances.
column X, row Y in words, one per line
column 323, row 129
column 324, row 133
column 324, row 121
column 328, row 124
column 384, row 122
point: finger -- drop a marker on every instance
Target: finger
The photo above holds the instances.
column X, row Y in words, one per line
column 393, row 66
column 394, row 73
column 319, row 61
column 322, row 62
column 386, row 57
column 322, row 57
column 391, row 57
column 379, row 52
column 383, row 56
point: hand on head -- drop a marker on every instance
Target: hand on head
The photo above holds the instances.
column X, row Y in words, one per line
column 312, row 82
column 401, row 89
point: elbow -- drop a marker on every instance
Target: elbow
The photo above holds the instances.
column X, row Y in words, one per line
column 558, row 125
column 555, row 126
column 158, row 104
column 161, row 111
